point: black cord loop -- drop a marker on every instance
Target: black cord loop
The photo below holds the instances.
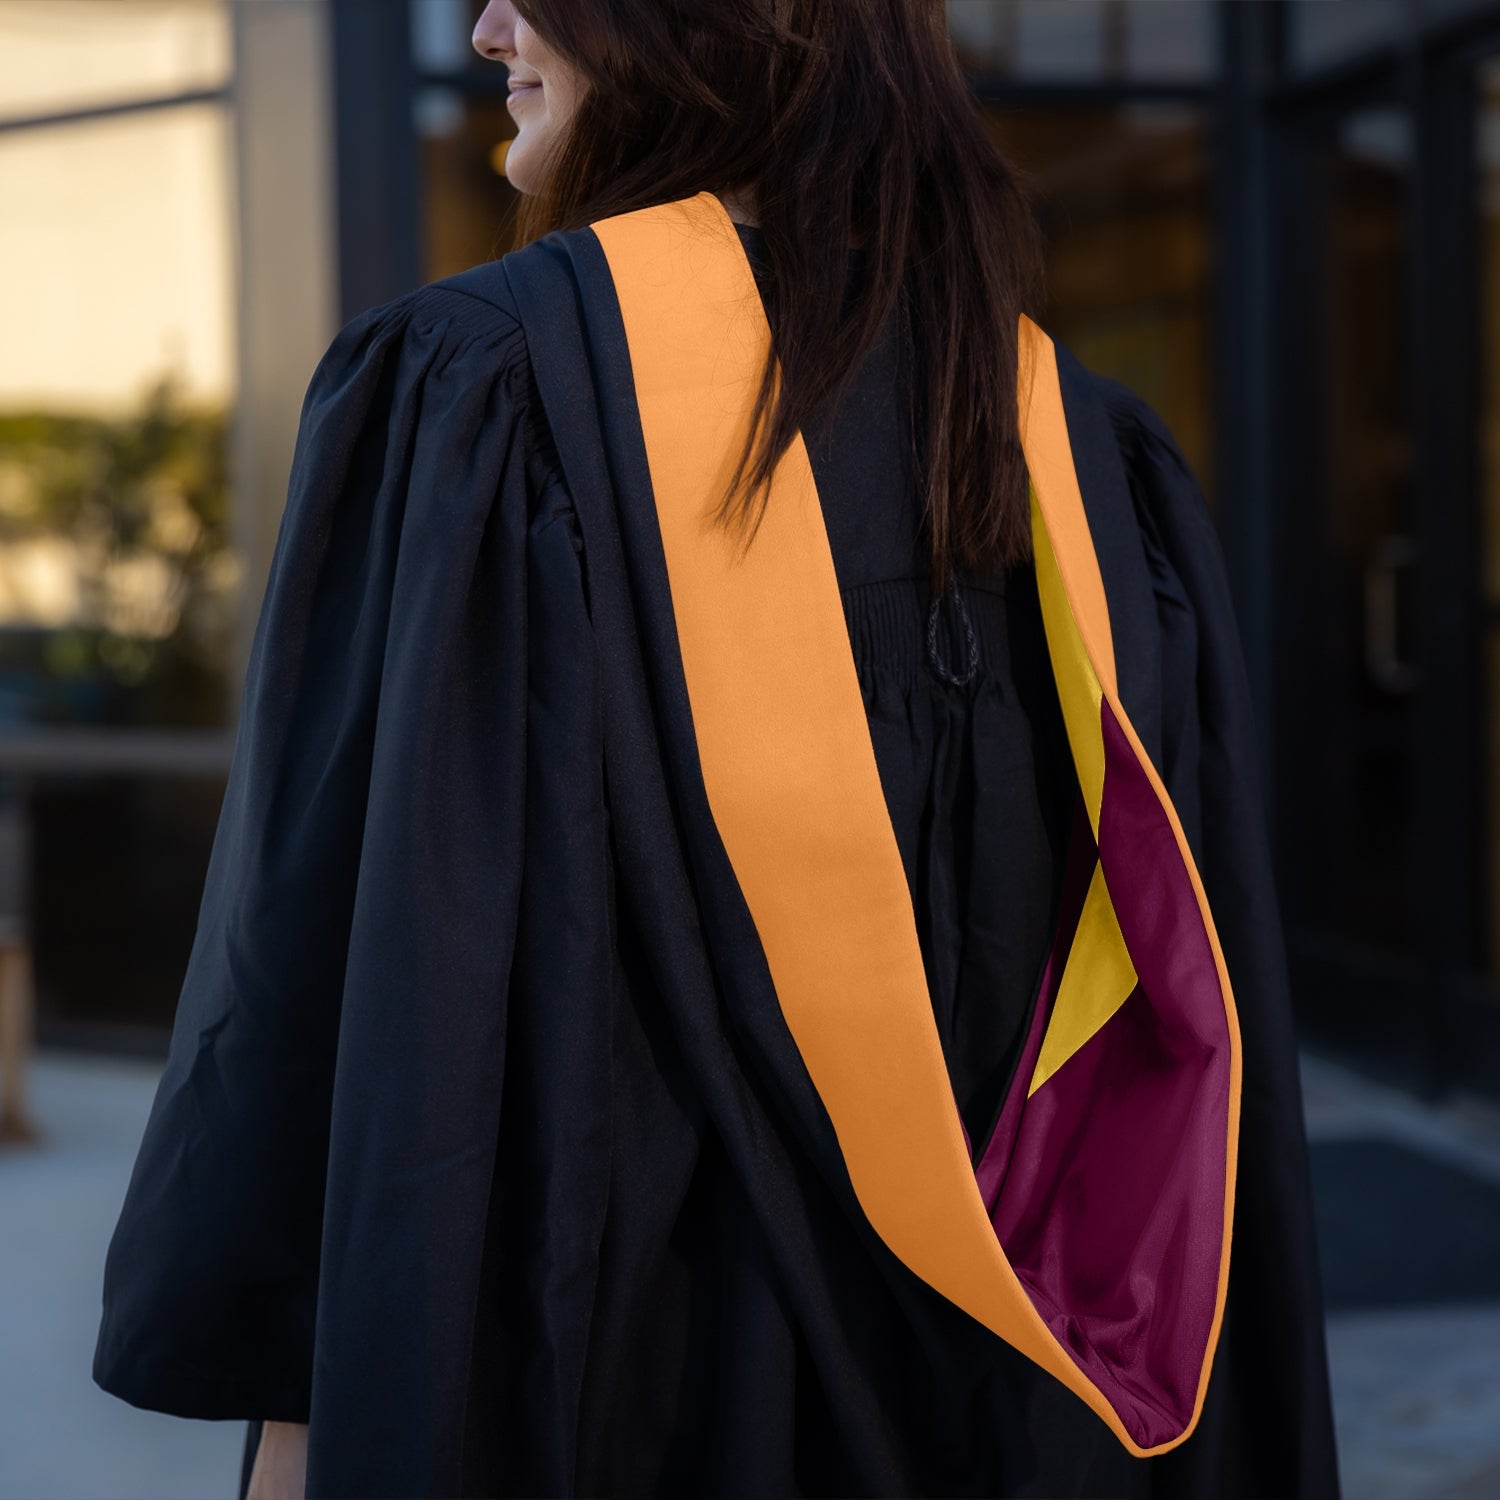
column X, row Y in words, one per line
column 934, row 659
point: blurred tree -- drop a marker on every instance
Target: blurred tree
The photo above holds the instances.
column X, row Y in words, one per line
column 118, row 581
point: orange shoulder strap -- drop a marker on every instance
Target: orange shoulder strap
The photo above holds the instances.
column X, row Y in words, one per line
column 792, row 783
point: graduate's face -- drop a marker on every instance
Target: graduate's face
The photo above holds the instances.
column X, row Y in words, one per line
column 544, row 90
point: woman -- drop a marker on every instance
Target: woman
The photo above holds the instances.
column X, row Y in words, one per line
column 779, row 1001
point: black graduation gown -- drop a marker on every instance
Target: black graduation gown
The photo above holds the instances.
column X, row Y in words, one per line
column 482, row 1143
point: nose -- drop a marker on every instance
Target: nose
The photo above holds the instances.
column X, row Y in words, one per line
column 495, row 31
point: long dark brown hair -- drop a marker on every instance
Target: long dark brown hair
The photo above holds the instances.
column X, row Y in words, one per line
column 841, row 121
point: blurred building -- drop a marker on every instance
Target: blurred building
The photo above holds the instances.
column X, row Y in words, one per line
column 1279, row 222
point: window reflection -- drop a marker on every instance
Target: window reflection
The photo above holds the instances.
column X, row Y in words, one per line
column 1322, row 33
column 470, row 204
column 120, row 588
column 1358, row 697
column 114, row 259
column 117, row 578
column 440, row 35
column 61, row 55
column 1085, row 40
column 1123, row 196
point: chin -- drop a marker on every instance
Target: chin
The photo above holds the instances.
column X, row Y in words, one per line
column 522, row 168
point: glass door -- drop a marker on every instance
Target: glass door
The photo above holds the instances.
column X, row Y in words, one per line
column 1387, row 723
column 1350, row 691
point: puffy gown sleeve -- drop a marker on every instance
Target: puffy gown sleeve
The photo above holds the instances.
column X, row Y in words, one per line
column 1267, row 1426
column 322, row 1137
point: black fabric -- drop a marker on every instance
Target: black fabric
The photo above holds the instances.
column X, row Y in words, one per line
column 482, row 1144
column 977, row 776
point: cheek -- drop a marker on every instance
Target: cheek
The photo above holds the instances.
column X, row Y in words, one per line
column 562, row 94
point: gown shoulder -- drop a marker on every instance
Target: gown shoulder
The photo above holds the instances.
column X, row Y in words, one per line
column 461, row 335
column 425, row 589
column 1167, row 494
